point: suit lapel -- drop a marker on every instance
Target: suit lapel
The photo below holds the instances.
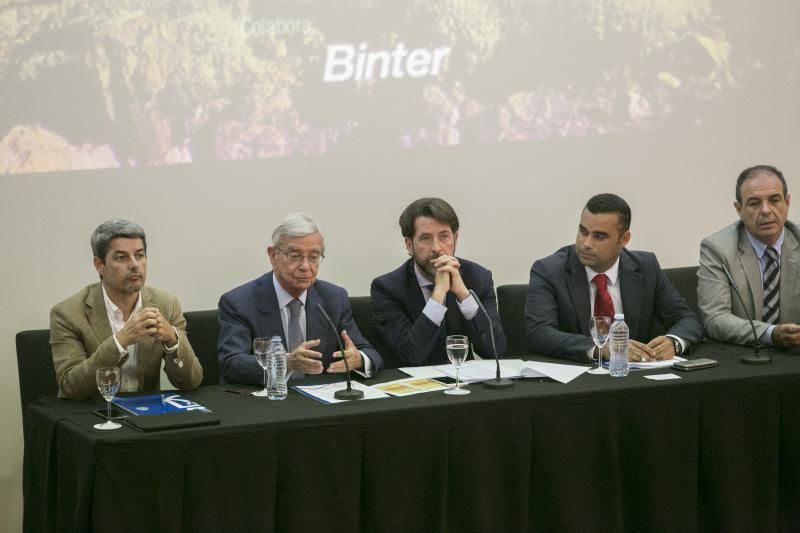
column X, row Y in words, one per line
column 748, row 263
column 318, row 328
column 789, row 273
column 417, row 299
column 632, row 292
column 96, row 314
column 578, row 288
column 270, row 323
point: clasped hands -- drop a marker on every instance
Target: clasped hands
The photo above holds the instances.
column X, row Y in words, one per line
column 146, row 323
column 448, row 279
column 658, row 349
column 306, row 360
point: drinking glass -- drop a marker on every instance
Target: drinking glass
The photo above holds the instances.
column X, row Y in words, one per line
column 260, row 345
column 457, row 347
column 600, row 326
column 107, row 379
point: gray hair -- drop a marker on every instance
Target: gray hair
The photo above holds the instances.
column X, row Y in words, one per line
column 295, row 225
column 115, row 228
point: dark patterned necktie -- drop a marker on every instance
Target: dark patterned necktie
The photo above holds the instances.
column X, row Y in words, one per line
column 772, row 282
column 295, row 334
column 603, row 305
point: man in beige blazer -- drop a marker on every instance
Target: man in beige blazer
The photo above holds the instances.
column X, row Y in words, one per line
column 120, row 322
column 762, row 253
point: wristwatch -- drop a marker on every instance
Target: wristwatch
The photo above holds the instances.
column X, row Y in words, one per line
column 677, row 345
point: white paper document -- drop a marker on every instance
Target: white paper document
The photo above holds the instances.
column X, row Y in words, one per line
column 663, row 377
column 324, row 393
column 644, row 365
column 486, row 369
column 556, row 371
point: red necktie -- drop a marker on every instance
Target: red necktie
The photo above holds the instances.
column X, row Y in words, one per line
column 603, row 305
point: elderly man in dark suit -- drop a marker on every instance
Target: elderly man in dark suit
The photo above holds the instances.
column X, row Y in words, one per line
column 284, row 302
column 599, row 276
column 427, row 298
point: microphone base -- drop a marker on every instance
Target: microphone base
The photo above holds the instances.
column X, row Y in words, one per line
column 501, row 383
column 352, row 394
column 756, row 359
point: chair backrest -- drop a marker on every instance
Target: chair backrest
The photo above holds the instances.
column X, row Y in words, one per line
column 685, row 281
column 361, row 307
column 37, row 376
column 511, row 306
column 202, row 328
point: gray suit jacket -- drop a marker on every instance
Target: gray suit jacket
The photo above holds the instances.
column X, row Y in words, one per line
column 82, row 341
column 723, row 316
column 558, row 309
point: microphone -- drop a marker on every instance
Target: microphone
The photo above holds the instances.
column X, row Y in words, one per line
column 349, row 393
column 757, row 358
column 497, row 382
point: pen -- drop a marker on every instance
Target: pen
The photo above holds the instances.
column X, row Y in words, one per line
column 234, row 391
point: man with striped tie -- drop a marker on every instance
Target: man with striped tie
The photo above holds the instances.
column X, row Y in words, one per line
column 762, row 253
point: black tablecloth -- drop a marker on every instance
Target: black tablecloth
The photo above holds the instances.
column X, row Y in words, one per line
column 718, row 450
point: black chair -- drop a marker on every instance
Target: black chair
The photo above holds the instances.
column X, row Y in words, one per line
column 362, row 316
column 37, row 376
column 511, row 306
column 685, row 281
column 202, row 329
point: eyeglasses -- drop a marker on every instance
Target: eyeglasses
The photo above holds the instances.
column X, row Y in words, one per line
column 296, row 258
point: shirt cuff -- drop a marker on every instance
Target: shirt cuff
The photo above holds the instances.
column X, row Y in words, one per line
column 469, row 307
column 171, row 349
column 434, row 311
column 366, row 370
column 684, row 344
column 122, row 351
column 766, row 338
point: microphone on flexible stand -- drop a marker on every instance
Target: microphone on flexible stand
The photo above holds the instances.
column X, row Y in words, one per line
column 497, row 382
column 757, row 358
column 349, row 393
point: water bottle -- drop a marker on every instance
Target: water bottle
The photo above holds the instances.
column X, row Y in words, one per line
column 618, row 339
column 276, row 370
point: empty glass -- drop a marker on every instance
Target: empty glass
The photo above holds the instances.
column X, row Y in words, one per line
column 108, row 385
column 599, row 328
column 260, row 345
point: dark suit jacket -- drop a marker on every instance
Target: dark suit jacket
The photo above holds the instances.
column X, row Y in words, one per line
column 557, row 311
column 251, row 310
column 397, row 304
column 82, row 341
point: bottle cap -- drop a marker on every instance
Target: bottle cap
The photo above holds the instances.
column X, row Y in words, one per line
column 619, row 316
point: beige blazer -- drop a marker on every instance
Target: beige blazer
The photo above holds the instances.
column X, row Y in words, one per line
column 81, row 341
column 723, row 315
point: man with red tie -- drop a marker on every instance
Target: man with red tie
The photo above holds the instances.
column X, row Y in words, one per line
column 600, row 277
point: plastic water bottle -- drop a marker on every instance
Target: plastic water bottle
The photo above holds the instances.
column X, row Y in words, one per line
column 618, row 339
column 276, row 370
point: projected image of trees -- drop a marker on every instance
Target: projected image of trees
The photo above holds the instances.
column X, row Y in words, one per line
column 120, row 83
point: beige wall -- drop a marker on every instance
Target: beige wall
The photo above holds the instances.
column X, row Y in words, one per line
column 208, row 227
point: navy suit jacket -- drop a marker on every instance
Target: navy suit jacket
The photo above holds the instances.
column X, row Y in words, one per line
column 411, row 337
column 251, row 310
column 557, row 312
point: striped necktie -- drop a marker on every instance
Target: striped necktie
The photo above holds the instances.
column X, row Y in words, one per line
column 772, row 281
column 295, row 333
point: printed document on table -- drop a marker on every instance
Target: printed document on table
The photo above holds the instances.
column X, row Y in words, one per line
column 484, row 370
column 324, row 393
column 559, row 372
column 409, row 386
column 650, row 365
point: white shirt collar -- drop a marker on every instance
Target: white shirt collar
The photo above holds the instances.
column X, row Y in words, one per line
column 612, row 273
column 284, row 297
column 761, row 247
column 111, row 307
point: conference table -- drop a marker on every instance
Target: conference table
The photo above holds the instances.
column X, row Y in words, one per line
column 717, row 450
